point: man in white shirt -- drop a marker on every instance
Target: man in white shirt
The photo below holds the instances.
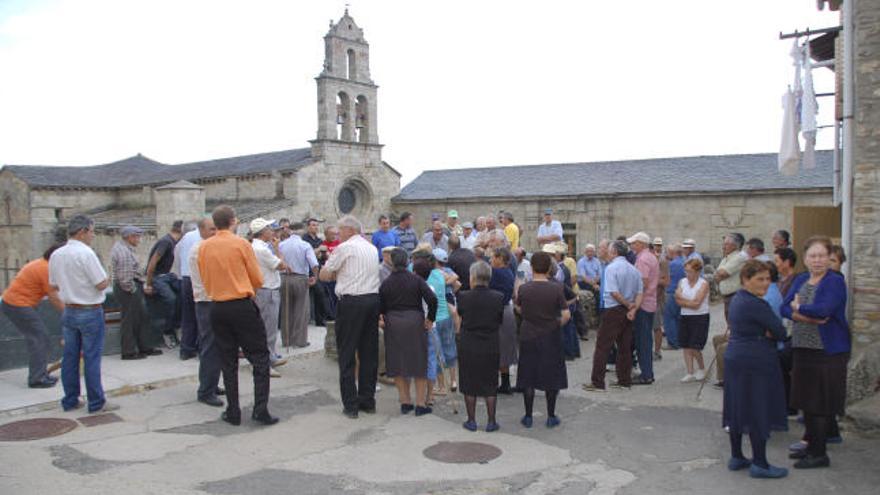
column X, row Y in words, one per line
column 76, row 273
column 269, row 295
column 468, row 236
column 189, row 331
column 209, row 355
column 353, row 265
column 550, row 230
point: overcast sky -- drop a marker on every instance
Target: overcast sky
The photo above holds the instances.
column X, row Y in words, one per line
column 462, row 83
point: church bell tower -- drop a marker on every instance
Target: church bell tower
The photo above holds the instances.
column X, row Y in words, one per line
column 346, row 96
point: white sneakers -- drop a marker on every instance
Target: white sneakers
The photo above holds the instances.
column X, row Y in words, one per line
column 696, row 377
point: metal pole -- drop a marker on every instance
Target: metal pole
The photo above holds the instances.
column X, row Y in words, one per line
column 847, row 145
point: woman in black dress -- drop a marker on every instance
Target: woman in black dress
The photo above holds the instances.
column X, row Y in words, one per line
column 481, row 310
column 754, row 394
column 541, row 358
column 406, row 339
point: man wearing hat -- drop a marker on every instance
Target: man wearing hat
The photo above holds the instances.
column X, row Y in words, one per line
column 128, row 289
column 688, row 248
column 269, row 295
column 468, row 236
column 452, row 227
column 643, row 326
column 550, row 230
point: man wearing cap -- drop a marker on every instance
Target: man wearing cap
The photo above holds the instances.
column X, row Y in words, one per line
column 688, row 248
column 452, row 227
column 550, row 230
column 643, row 326
column 128, row 289
column 435, row 237
column 468, row 236
column 511, row 230
column 231, row 275
column 269, row 295
column 405, row 232
column 384, row 237
column 302, row 265
column 189, row 328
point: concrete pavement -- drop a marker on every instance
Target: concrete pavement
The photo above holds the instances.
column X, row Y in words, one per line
column 654, row 439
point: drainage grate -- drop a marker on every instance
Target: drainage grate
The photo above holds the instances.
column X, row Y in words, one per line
column 35, row 429
column 462, row 452
column 99, row 419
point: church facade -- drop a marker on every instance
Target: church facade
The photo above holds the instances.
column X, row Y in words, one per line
column 340, row 172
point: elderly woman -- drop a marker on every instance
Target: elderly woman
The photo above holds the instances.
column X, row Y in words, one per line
column 406, row 340
column 754, row 398
column 821, row 345
column 482, row 311
column 544, row 311
column 692, row 295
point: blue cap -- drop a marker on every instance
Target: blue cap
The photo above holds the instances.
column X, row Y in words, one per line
column 441, row 255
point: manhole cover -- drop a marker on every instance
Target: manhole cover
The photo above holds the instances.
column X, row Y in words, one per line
column 35, row 429
column 99, row 419
column 462, row 452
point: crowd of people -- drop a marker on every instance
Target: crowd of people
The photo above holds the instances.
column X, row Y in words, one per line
column 461, row 307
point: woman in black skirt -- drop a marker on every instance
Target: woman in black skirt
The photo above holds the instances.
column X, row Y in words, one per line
column 541, row 358
column 481, row 310
column 820, row 341
column 406, row 340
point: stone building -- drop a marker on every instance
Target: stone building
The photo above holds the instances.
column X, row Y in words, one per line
column 700, row 197
column 341, row 172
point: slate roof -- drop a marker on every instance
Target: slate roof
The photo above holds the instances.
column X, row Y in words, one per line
column 707, row 174
column 141, row 171
column 145, row 217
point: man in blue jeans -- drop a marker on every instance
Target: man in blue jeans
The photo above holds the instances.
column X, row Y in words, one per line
column 79, row 278
column 164, row 285
column 643, row 327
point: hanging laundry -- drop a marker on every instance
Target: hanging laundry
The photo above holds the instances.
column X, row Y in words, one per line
column 789, row 150
column 809, row 109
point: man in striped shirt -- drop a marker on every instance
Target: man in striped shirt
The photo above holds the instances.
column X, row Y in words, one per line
column 231, row 276
column 354, row 268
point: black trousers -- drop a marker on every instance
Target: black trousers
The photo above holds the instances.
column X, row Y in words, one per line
column 318, row 301
column 134, row 328
column 357, row 333
column 237, row 324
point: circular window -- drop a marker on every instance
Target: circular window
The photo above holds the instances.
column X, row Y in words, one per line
column 347, row 200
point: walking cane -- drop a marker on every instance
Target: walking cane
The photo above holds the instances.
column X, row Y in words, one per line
column 286, row 286
column 707, row 375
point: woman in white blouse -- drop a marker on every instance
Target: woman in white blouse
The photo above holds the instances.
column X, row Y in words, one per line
column 692, row 294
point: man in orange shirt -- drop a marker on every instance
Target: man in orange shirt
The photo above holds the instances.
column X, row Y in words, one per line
column 20, row 301
column 231, row 276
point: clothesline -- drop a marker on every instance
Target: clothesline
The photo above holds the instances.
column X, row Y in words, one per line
column 809, row 32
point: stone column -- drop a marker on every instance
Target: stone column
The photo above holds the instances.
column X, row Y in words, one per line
column 179, row 200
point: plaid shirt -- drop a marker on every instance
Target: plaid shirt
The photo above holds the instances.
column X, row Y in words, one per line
column 125, row 266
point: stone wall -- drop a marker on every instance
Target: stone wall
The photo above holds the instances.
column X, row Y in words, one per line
column 705, row 218
column 865, row 255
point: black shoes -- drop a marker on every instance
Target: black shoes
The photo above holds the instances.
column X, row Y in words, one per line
column 131, row 357
column 350, row 414
column 642, row 381
column 421, row 411
column 264, row 419
column 233, row 420
column 211, row 401
column 811, row 462
column 406, row 408
column 185, row 355
column 46, row 382
column 367, row 409
column 152, row 352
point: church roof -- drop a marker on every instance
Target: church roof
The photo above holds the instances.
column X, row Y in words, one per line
column 696, row 174
column 141, row 171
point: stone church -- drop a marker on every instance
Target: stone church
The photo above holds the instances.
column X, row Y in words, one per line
column 341, row 172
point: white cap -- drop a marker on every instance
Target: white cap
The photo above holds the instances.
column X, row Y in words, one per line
column 639, row 237
column 688, row 243
column 259, row 224
column 658, row 241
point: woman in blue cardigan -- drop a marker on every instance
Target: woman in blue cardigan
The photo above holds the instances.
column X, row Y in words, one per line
column 820, row 339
